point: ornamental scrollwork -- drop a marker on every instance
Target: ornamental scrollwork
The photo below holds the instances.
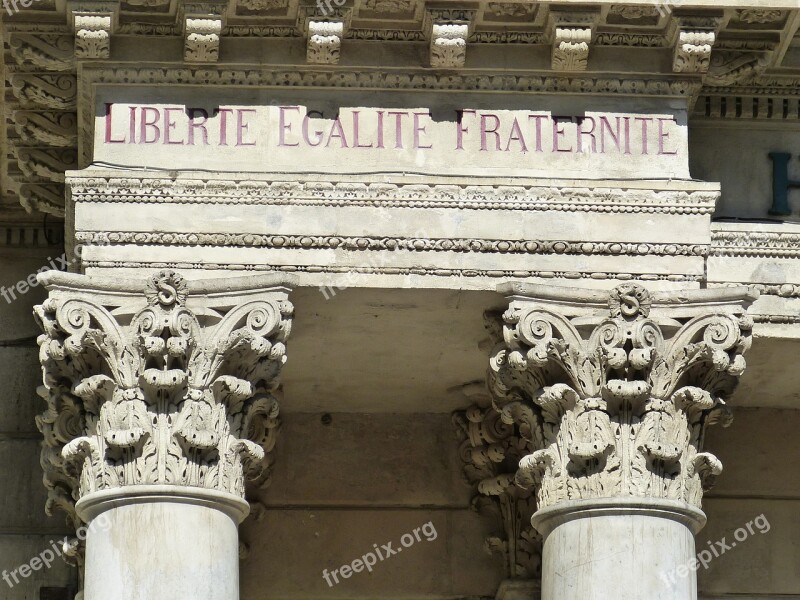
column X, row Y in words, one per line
column 616, row 405
column 164, row 394
column 490, row 450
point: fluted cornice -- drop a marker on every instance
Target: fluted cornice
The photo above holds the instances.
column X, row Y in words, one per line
column 159, row 382
column 614, row 391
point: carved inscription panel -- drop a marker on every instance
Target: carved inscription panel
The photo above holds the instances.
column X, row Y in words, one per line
column 540, row 137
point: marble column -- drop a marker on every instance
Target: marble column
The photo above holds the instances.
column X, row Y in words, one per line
column 612, row 393
column 160, row 408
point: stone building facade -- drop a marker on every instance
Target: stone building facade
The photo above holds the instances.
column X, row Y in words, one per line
column 400, row 299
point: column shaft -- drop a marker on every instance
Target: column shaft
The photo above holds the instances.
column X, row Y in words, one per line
column 613, row 393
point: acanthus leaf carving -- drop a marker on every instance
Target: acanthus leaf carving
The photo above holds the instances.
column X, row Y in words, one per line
column 618, row 408
column 693, row 51
column 52, row 51
column 760, row 16
column 47, row 91
column 261, row 5
column 571, row 48
column 44, row 197
column 491, row 448
column 47, row 127
column 389, row 6
column 159, row 396
column 45, row 163
column 202, row 39
column 733, row 68
column 324, row 42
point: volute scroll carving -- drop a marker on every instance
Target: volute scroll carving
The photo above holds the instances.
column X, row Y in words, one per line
column 615, row 400
column 148, row 388
column 490, row 449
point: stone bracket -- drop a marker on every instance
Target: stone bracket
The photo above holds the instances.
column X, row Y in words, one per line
column 324, row 41
column 571, row 48
column 93, row 24
column 448, row 32
column 693, row 51
column 202, row 30
column 695, row 37
column 572, row 34
column 201, row 39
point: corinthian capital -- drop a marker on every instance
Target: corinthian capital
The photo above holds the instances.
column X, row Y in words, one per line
column 159, row 382
column 614, row 391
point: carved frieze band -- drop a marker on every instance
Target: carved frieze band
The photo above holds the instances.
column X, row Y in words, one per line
column 774, row 244
column 282, row 77
column 416, row 270
column 619, row 407
column 390, row 195
column 781, row 290
column 146, row 391
column 366, row 243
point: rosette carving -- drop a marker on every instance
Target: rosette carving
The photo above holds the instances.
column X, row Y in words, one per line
column 617, row 405
column 150, row 391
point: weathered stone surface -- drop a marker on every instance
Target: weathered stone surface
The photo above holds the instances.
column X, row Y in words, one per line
column 390, row 357
column 311, row 540
column 368, row 458
column 24, row 496
column 17, row 550
column 714, row 150
column 755, row 469
column 20, row 374
column 394, row 232
column 764, row 564
column 551, row 138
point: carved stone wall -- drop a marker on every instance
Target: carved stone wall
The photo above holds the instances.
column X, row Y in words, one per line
column 616, row 401
column 151, row 388
column 720, row 52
